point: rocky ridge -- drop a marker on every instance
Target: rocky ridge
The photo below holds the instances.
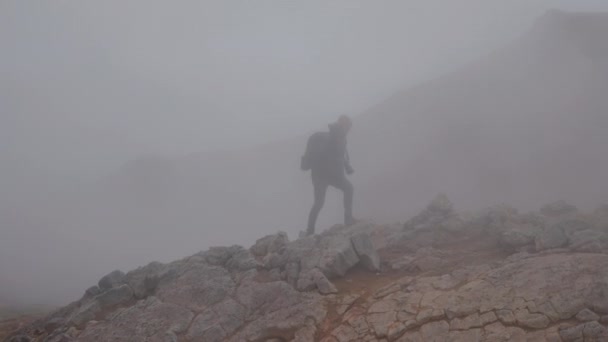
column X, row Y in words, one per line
column 497, row 275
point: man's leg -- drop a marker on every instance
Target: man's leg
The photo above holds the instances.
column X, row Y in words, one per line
column 346, row 186
column 320, row 188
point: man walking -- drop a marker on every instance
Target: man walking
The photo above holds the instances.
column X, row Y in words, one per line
column 327, row 158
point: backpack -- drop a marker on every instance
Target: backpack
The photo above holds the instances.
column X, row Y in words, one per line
column 315, row 150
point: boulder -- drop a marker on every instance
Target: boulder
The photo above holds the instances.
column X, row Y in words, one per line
column 366, row 252
column 552, row 237
column 113, row 279
column 269, row 244
column 559, row 208
column 115, row 296
column 147, row 320
column 518, row 236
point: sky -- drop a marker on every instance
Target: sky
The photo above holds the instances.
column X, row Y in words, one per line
column 89, row 85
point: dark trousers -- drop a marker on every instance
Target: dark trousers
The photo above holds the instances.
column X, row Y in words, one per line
column 320, row 183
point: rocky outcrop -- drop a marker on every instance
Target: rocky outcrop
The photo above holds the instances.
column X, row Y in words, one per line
column 443, row 276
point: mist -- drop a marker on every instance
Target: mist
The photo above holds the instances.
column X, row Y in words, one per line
column 149, row 130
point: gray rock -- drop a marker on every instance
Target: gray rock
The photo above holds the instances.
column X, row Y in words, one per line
column 495, row 218
column 59, row 337
column 205, row 328
column 115, row 296
column 113, row 279
column 198, row 287
column 92, row 291
column 405, row 262
column 322, row 283
column 242, row 260
column 269, row 244
column 552, row 237
column 219, row 256
column 53, row 324
column 594, row 330
column 440, row 205
column 506, row 316
column 276, row 307
column 337, row 256
column 85, row 313
column 531, row 320
column 590, row 241
column 438, row 211
column 587, row 315
column 435, row 331
column 366, row 252
column 149, row 320
column 558, row 208
column 144, row 280
column 518, row 236
column 572, row 334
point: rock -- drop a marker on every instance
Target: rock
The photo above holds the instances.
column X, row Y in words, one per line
column 572, row 334
column 403, row 263
column 199, row 287
column 440, row 205
column 466, row 323
column 594, row 330
column 487, row 318
column 323, row 284
column 148, row 320
column 435, row 331
column 144, row 280
column 115, row 296
column 92, row 291
column 499, row 333
column 269, row 244
column 242, row 260
column 428, row 259
column 59, row 337
column 219, row 256
column 439, row 210
column 52, row 324
column 411, row 337
column 587, row 315
column 429, row 314
column 366, row 252
column 113, row 279
column 518, row 236
column 506, row 317
column 587, row 240
column 337, row 257
column 345, row 333
column 495, row 218
column 473, row 335
column 553, row 237
column 558, row 208
column 531, row 320
column 85, row 313
column 205, row 328
column 315, row 279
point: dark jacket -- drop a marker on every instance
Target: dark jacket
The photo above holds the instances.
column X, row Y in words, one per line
column 326, row 152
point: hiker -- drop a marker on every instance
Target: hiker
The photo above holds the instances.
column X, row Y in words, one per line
column 327, row 159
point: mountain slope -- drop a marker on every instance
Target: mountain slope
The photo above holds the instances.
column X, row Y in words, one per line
column 496, row 276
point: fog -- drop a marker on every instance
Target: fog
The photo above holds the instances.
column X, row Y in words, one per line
column 149, row 130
